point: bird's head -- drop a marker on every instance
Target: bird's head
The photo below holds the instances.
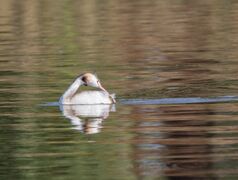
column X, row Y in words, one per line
column 92, row 80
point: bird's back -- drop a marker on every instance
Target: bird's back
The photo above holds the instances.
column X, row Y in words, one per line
column 91, row 97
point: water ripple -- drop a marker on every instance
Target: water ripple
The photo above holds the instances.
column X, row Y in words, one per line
column 191, row 100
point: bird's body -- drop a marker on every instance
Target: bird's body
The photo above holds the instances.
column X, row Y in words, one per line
column 72, row 96
column 90, row 97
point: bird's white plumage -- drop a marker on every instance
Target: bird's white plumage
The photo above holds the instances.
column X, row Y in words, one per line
column 91, row 97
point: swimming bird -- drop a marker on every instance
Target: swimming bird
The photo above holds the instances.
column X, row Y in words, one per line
column 71, row 95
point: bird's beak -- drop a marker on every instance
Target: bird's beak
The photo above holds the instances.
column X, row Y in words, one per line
column 102, row 88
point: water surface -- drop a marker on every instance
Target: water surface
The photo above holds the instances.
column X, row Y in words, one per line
column 173, row 66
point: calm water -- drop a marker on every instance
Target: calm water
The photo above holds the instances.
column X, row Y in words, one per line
column 172, row 64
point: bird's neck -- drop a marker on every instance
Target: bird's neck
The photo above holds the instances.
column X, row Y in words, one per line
column 71, row 91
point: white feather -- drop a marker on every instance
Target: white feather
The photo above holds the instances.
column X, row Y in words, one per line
column 91, row 97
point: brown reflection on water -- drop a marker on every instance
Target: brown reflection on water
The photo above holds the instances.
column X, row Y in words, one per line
column 157, row 48
column 185, row 141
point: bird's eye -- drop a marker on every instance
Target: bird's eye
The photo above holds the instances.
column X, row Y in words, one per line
column 84, row 79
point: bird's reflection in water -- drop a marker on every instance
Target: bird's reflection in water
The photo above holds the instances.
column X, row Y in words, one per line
column 87, row 118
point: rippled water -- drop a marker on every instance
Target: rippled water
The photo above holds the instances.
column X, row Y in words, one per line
column 173, row 66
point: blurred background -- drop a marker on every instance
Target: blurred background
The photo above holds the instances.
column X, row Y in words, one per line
column 140, row 50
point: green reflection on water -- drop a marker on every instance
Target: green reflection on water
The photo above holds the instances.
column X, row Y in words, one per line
column 139, row 49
